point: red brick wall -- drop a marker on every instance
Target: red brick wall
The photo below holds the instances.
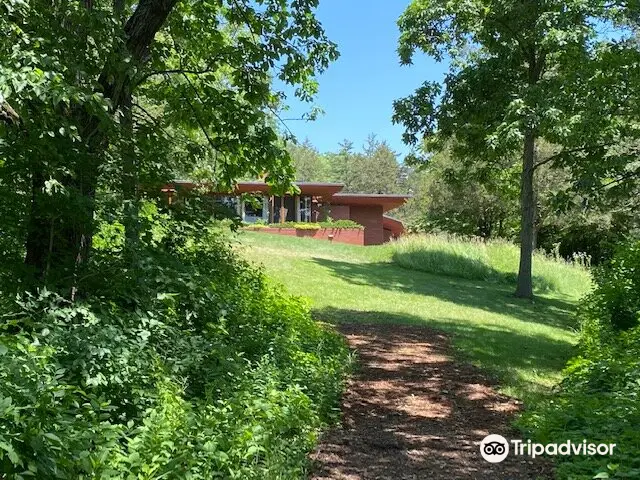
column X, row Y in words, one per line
column 371, row 218
column 353, row 236
column 340, row 212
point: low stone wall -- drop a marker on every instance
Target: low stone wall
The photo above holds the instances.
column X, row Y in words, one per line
column 352, row 236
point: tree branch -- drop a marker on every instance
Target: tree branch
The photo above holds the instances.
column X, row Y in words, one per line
column 555, row 157
column 178, row 71
column 621, row 178
column 8, row 114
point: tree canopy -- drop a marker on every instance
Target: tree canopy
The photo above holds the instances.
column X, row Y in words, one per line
column 521, row 72
column 99, row 94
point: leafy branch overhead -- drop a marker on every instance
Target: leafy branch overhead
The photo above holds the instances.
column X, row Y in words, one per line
column 128, row 93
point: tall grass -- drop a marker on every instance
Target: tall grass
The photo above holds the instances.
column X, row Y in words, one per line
column 492, row 261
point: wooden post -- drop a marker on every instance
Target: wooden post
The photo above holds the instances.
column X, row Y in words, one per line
column 296, row 199
column 265, row 208
column 271, row 208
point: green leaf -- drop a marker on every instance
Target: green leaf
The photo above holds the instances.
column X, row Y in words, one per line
column 11, row 453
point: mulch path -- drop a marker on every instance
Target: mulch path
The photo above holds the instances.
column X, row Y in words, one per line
column 411, row 412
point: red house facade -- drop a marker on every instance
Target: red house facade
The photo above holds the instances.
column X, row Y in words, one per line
column 316, row 202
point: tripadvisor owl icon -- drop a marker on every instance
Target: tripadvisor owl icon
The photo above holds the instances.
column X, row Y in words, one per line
column 494, row 448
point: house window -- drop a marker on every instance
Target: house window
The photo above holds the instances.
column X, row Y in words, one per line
column 227, row 200
column 254, row 209
column 305, row 209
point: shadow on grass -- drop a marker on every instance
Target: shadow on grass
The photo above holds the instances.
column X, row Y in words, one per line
column 459, row 266
column 513, row 358
column 491, row 297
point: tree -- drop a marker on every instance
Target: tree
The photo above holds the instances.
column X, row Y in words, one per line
column 310, row 165
column 377, row 169
column 452, row 197
column 99, row 93
column 520, row 72
column 374, row 170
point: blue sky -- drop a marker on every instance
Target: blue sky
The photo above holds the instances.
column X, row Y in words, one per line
column 358, row 90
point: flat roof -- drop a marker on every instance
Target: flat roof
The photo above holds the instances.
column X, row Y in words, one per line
column 387, row 201
column 320, row 189
column 306, row 188
column 328, row 191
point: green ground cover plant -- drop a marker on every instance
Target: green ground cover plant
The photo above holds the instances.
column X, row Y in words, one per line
column 599, row 396
column 180, row 360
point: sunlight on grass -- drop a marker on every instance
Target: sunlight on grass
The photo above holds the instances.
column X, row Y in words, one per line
column 524, row 344
column 493, row 261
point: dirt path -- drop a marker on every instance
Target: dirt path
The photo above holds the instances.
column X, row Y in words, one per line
column 411, row 412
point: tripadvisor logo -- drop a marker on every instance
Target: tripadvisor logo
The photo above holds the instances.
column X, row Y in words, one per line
column 495, row 448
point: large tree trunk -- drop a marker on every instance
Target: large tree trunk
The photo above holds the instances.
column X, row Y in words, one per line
column 37, row 245
column 74, row 228
column 527, row 208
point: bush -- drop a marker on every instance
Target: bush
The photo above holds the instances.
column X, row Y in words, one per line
column 615, row 303
column 599, row 398
column 180, row 361
column 309, row 225
column 492, row 261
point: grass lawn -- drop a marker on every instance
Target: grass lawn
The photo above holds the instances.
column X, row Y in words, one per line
column 525, row 344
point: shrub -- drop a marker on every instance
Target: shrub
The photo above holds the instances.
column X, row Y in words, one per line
column 310, row 225
column 180, row 361
column 615, row 303
column 340, row 224
column 598, row 400
column 599, row 397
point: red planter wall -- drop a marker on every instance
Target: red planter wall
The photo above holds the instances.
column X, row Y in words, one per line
column 352, row 236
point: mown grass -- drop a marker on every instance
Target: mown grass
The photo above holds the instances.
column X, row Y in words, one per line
column 525, row 344
column 493, row 261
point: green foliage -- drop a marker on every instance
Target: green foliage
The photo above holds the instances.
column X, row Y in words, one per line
column 450, row 197
column 594, row 234
column 116, row 96
column 615, row 303
column 527, row 53
column 310, row 165
column 134, row 343
column 340, row 224
column 310, row 225
column 184, row 361
column 521, row 73
column 491, row 261
column 599, row 396
column 453, row 197
column 373, row 170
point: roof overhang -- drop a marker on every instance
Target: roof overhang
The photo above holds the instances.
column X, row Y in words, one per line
column 395, row 226
column 388, row 202
column 325, row 190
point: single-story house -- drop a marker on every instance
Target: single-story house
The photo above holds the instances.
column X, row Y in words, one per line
column 316, row 202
